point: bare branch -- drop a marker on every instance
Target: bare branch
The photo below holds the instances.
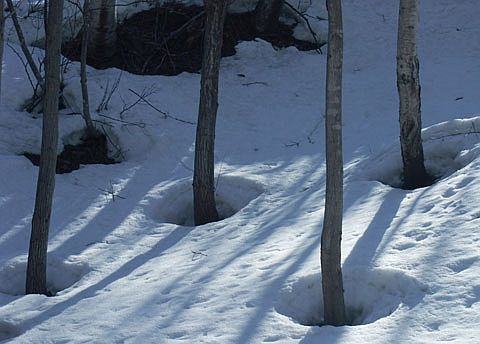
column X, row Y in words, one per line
column 165, row 114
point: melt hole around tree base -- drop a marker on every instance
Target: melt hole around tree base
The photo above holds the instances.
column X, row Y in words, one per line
column 60, row 275
column 174, row 203
column 448, row 147
column 369, row 296
column 79, row 150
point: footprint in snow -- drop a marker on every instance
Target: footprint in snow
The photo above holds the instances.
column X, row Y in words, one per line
column 448, row 193
column 462, row 264
column 464, row 182
column 404, row 245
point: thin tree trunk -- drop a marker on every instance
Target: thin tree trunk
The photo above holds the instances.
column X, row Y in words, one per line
column 332, row 281
column 203, row 179
column 90, row 131
column 23, row 43
column 2, row 40
column 37, row 254
column 408, row 84
column 102, row 35
column 267, row 13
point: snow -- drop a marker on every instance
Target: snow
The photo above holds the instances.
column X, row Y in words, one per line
column 127, row 267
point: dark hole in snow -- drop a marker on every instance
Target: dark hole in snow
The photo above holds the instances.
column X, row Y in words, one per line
column 90, row 150
column 428, row 180
column 167, row 40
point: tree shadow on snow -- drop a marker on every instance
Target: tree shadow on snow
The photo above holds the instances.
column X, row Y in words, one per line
column 161, row 246
column 379, row 233
column 366, row 247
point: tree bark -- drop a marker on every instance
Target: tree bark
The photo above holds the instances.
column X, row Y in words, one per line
column 332, row 281
column 37, row 254
column 2, row 40
column 23, row 44
column 408, row 84
column 102, row 32
column 90, row 128
column 203, row 179
column 267, row 13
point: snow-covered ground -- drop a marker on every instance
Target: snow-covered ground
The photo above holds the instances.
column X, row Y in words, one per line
column 132, row 269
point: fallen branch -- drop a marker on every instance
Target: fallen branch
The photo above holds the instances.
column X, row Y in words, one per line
column 165, row 114
column 197, row 253
column 255, row 83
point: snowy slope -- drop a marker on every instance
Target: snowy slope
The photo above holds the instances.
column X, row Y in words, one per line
column 127, row 274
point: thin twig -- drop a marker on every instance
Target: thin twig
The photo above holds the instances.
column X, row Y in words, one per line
column 314, row 35
column 167, row 115
column 136, row 124
column 119, row 151
column 171, row 35
column 23, row 43
column 255, row 83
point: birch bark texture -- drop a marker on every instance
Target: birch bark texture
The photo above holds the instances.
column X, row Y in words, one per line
column 37, row 253
column 332, row 279
column 204, row 205
column 408, row 85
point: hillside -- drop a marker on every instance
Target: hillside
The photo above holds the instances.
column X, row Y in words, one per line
column 127, row 266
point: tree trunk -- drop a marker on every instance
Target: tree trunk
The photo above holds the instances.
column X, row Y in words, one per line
column 102, row 35
column 37, row 254
column 90, row 128
column 23, row 43
column 332, row 281
column 408, row 84
column 203, row 179
column 2, row 40
column 267, row 13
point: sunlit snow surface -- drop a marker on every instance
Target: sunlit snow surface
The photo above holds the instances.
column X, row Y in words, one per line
column 124, row 275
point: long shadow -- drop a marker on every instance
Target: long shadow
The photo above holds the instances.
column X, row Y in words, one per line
column 255, row 321
column 109, row 217
column 163, row 245
column 266, row 228
column 363, row 254
column 366, row 247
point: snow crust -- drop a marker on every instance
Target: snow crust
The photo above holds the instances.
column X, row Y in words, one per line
column 411, row 258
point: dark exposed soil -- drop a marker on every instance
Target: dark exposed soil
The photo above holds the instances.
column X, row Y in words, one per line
column 91, row 150
column 167, row 40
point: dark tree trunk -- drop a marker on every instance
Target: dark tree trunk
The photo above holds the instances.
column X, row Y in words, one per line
column 332, row 280
column 37, row 254
column 102, row 31
column 267, row 13
column 2, row 39
column 203, row 179
column 408, row 84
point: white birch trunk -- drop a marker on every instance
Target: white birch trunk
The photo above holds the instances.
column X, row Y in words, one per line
column 408, row 84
